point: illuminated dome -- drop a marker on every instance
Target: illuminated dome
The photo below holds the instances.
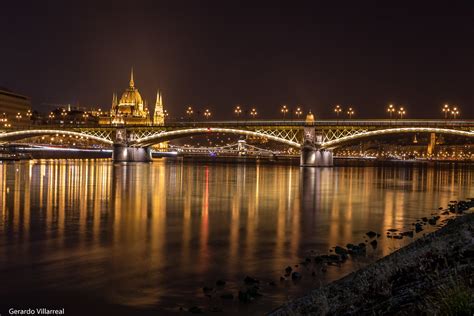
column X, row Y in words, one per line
column 131, row 96
column 310, row 117
column 131, row 102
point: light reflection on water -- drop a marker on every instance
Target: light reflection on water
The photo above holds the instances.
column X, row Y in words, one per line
column 151, row 235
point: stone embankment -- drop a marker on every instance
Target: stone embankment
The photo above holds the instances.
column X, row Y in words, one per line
column 432, row 275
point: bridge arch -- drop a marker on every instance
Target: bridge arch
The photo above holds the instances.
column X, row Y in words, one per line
column 340, row 141
column 18, row 135
column 169, row 135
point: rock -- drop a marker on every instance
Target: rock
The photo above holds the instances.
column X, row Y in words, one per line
column 245, row 297
column 340, row 250
column 207, row 289
column 282, row 279
column 392, row 230
column 220, row 282
column 288, row 270
column 371, row 234
column 249, row 294
column 432, row 221
column 408, row 233
column 250, row 280
column 398, row 237
column 356, row 250
column 373, row 243
column 227, row 296
column 424, row 219
column 195, row 310
column 296, row 276
column 418, row 227
column 440, row 208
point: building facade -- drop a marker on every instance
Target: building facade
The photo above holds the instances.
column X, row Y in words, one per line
column 132, row 109
column 13, row 106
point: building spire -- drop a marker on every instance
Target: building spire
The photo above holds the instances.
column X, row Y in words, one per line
column 132, row 84
column 158, row 115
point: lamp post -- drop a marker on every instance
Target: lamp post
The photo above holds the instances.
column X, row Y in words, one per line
column 298, row 112
column 350, row 112
column 253, row 112
column 238, row 110
column 338, row 110
column 51, row 117
column 189, row 112
column 284, row 110
column 446, row 110
column 207, row 114
column 401, row 112
column 455, row 112
column 390, row 110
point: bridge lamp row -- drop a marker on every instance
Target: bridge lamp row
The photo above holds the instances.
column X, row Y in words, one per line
column 447, row 110
column 391, row 109
column 338, row 109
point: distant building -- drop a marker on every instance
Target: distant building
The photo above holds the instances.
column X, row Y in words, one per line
column 12, row 103
column 131, row 109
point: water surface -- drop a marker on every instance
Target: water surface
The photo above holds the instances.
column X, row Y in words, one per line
column 148, row 237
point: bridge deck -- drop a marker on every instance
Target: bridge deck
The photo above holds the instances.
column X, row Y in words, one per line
column 343, row 123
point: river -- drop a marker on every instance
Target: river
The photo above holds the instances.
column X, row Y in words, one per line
column 94, row 236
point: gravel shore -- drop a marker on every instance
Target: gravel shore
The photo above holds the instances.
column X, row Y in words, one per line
column 433, row 275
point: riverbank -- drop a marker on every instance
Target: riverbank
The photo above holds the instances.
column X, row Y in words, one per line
column 432, row 275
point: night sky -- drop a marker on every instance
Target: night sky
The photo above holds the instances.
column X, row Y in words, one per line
column 219, row 54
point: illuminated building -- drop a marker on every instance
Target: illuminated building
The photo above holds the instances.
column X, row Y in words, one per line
column 131, row 109
column 12, row 103
column 159, row 115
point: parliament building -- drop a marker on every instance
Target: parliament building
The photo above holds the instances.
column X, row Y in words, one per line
column 131, row 109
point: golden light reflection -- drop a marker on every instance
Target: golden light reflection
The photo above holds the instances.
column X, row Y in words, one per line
column 141, row 233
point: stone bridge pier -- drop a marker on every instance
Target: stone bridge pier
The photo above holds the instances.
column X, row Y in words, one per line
column 312, row 153
column 123, row 152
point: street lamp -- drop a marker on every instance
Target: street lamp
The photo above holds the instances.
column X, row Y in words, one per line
column 237, row 110
column 298, row 112
column 253, row 113
column 338, row 110
column 189, row 111
column 207, row 113
column 284, row 110
column 350, row 112
column 455, row 112
column 165, row 113
column 18, row 116
column 401, row 112
column 446, row 110
column 390, row 110
column 51, row 117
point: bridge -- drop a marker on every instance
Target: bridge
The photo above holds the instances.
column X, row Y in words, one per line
column 315, row 139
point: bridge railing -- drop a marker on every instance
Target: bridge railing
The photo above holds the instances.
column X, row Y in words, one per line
column 266, row 123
